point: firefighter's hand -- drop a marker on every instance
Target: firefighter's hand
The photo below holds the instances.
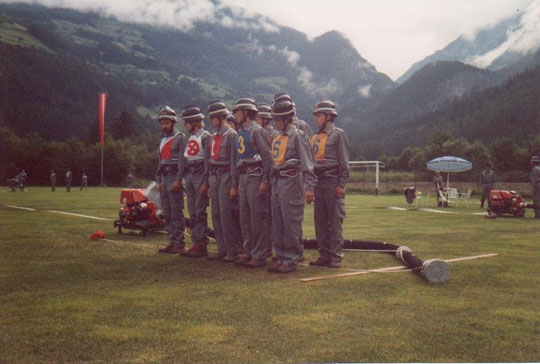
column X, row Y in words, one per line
column 177, row 186
column 263, row 188
column 233, row 193
column 204, row 190
column 340, row 192
column 308, row 195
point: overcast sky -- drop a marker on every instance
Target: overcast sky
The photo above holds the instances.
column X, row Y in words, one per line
column 390, row 34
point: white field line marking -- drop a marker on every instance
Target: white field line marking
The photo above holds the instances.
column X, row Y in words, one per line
column 438, row 211
column 20, row 207
column 398, row 268
column 79, row 215
column 128, row 242
column 397, row 208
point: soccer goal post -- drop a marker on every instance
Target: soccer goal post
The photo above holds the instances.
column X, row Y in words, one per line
column 369, row 164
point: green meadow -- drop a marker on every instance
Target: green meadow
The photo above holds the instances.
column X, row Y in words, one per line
column 65, row 298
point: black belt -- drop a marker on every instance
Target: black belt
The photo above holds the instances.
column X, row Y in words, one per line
column 327, row 172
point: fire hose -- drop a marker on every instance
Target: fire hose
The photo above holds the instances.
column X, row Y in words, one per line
column 434, row 270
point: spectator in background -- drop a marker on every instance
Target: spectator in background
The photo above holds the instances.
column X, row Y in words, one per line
column 535, row 181
column 130, row 179
column 84, row 182
column 487, row 180
column 53, row 181
column 69, row 176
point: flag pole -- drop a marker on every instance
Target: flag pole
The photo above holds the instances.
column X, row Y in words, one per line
column 101, row 110
column 101, row 165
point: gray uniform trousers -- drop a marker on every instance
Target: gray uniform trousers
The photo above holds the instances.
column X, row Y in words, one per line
column 224, row 227
column 329, row 215
column 237, row 230
column 173, row 209
column 197, row 205
column 287, row 217
column 485, row 192
column 254, row 216
column 68, row 185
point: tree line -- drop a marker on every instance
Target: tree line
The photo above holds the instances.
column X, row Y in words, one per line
column 126, row 151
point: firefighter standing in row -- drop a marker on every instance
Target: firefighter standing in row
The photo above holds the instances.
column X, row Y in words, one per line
column 196, row 186
column 254, row 164
column 487, row 180
column 306, row 130
column 293, row 183
column 169, row 179
column 264, row 118
column 223, row 182
column 330, row 149
column 235, row 203
column 535, row 181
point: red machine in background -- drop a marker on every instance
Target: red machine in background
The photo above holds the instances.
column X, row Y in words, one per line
column 502, row 202
column 138, row 213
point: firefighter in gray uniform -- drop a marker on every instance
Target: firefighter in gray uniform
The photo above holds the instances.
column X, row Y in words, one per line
column 254, row 165
column 264, row 118
column 223, row 182
column 330, row 149
column 307, row 131
column 196, row 157
column 169, row 179
column 292, row 184
column 487, row 179
column 535, row 181
column 235, row 203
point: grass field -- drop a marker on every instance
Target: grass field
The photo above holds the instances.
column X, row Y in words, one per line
column 64, row 298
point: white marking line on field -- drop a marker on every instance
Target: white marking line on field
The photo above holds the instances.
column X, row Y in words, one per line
column 79, row 215
column 397, row 208
column 20, row 207
column 439, row 211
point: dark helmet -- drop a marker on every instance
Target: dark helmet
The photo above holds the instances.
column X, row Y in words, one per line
column 282, row 96
column 535, row 159
column 167, row 113
column 232, row 119
column 192, row 113
column 264, row 110
column 217, row 108
column 283, row 108
column 245, row 103
column 325, row 107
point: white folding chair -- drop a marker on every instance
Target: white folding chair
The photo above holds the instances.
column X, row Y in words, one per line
column 466, row 196
column 453, row 195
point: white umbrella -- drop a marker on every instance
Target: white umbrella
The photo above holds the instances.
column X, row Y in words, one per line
column 449, row 164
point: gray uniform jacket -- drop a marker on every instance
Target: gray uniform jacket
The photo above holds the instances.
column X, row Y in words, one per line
column 193, row 154
column 171, row 149
column 334, row 152
column 259, row 149
column 535, row 177
column 294, row 153
column 223, row 152
column 487, row 178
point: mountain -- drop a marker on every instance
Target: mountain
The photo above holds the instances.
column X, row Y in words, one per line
column 509, row 110
column 513, row 41
column 430, row 88
column 55, row 61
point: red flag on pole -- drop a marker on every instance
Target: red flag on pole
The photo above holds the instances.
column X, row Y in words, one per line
column 102, row 106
